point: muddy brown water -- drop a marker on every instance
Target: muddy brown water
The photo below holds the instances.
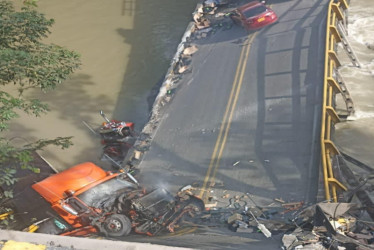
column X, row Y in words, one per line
column 356, row 136
column 126, row 48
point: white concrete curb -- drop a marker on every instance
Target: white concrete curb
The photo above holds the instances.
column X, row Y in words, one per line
column 78, row 243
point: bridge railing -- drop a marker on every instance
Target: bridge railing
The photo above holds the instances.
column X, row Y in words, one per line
column 332, row 86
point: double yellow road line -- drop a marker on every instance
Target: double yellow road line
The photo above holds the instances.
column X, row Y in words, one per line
column 227, row 118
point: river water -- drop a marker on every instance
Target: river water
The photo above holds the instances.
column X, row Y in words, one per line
column 356, row 137
column 126, row 48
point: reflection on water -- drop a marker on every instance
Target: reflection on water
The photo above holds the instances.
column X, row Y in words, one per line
column 126, row 47
column 356, row 137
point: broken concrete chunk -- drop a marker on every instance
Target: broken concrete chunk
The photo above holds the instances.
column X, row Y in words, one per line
column 288, row 240
column 182, row 69
column 336, row 209
column 241, row 224
column 244, row 230
column 210, row 205
column 137, row 154
column 279, row 200
column 197, row 16
column 190, row 50
column 226, row 196
column 234, row 218
column 255, row 211
column 220, row 14
column 202, row 24
column 186, row 188
column 199, row 8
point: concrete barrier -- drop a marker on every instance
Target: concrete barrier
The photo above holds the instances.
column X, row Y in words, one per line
column 20, row 240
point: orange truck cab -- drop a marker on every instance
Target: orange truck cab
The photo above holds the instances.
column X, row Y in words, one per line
column 73, row 192
column 91, row 200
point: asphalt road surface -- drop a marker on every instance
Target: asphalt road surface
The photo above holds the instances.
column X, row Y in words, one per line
column 245, row 121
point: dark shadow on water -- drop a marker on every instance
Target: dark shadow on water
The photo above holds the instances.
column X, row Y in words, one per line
column 158, row 29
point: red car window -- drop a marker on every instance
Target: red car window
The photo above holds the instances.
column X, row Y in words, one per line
column 254, row 11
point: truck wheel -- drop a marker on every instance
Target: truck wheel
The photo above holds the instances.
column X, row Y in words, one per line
column 117, row 225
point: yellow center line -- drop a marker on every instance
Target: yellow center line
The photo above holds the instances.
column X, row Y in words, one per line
column 214, row 162
column 222, row 127
column 232, row 109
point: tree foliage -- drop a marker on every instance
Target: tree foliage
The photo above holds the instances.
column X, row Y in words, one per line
column 27, row 63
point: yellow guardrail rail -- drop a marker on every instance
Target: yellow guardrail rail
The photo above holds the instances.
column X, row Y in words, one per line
column 330, row 88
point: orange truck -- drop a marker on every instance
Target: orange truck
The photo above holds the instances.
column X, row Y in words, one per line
column 90, row 200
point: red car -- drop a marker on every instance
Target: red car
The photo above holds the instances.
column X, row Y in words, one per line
column 254, row 15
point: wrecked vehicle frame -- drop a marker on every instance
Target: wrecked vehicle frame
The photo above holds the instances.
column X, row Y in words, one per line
column 91, row 200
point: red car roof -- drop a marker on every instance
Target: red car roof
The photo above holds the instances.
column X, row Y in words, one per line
column 52, row 188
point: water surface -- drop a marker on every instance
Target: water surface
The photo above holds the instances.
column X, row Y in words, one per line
column 126, row 48
column 356, row 137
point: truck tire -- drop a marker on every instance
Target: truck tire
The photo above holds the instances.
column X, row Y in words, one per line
column 116, row 225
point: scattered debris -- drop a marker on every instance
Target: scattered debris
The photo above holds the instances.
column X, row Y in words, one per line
column 211, row 205
column 262, row 227
column 202, row 23
column 236, row 163
column 206, row 216
column 220, row 14
column 188, row 187
column 330, row 226
column 245, row 230
column 292, row 206
column 137, row 154
column 279, row 200
column 190, row 50
column 234, row 218
column 182, row 69
column 226, row 196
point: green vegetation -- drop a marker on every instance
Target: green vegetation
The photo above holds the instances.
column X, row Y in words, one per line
column 27, row 63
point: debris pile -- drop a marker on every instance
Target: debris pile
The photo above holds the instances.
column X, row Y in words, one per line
column 267, row 220
column 211, row 15
column 318, row 226
column 331, row 226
